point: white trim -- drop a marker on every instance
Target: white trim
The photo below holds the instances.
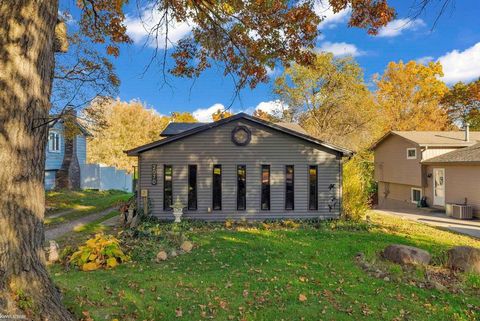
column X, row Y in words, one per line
column 50, row 147
column 411, row 194
column 412, row 157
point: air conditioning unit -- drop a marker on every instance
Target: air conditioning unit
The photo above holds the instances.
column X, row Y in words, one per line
column 460, row 211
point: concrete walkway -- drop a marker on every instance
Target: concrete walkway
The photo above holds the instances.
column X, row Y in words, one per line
column 64, row 228
column 439, row 219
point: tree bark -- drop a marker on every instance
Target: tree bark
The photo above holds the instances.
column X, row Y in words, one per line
column 27, row 34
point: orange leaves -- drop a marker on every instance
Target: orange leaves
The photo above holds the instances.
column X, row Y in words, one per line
column 302, row 297
column 369, row 14
column 113, row 50
column 245, row 36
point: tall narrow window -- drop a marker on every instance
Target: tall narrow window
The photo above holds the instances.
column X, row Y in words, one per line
column 265, row 203
column 54, row 141
column 313, row 188
column 241, row 187
column 192, row 187
column 217, row 188
column 167, row 187
column 289, row 190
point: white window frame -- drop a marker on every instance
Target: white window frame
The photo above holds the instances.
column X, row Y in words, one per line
column 411, row 194
column 411, row 157
column 52, row 142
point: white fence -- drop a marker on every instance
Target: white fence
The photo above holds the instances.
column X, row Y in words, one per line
column 95, row 176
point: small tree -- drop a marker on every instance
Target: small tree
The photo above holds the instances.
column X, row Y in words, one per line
column 358, row 186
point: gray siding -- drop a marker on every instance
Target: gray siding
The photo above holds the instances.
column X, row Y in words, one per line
column 268, row 146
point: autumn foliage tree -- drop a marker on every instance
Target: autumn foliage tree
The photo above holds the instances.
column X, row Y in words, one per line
column 245, row 36
column 329, row 99
column 183, row 117
column 462, row 104
column 409, row 96
column 125, row 126
column 221, row 114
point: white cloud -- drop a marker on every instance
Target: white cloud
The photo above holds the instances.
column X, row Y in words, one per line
column 273, row 72
column 461, row 65
column 396, row 27
column 330, row 19
column 424, row 60
column 273, row 107
column 340, row 49
column 141, row 29
column 204, row 115
column 66, row 17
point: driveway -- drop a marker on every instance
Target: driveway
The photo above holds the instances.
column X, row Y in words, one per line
column 439, row 219
column 57, row 231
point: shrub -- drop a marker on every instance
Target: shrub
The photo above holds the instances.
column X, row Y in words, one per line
column 102, row 251
column 358, row 185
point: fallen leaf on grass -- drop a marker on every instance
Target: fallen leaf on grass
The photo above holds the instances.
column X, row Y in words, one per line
column 178, row 312
column 302, row 297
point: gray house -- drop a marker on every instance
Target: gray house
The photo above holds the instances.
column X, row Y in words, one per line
column 241, row 167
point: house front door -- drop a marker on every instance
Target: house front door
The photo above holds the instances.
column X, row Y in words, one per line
column 439, row 186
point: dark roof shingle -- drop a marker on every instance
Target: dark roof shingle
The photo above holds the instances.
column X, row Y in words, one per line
column 177, row 128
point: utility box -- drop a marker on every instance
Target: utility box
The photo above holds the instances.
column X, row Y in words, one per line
column 460, row 211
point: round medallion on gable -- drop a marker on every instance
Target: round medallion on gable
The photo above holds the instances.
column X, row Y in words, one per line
column 241, row 136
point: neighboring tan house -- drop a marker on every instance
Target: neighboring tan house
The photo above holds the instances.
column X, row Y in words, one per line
column 443, row 167
column 241, row 167
column 64, row 157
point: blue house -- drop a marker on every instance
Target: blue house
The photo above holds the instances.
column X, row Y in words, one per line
column 56, row 162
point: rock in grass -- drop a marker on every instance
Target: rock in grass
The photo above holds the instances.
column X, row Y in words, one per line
column 187, row 246
column 162, row 256
column 403, row 254
column 464, row 258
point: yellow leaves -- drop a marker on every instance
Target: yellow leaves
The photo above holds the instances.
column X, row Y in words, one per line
column 102, row 251
column 112, row 262
column 409, row 95
column 92, row 266
column 227, row 8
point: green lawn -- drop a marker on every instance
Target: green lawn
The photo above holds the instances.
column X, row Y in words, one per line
column 80, row 203
column 258, row 274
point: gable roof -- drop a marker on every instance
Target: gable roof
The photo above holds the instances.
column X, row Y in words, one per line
column 136, row 151
column 434, row 138
column 464, row 155
column 177, row 128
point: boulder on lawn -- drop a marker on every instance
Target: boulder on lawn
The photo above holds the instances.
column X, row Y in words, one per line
column 464, row 258
column 162, row 256
column 187, row 246
column 404, row 254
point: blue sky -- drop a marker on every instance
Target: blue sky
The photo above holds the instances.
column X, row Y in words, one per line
column 454, row 41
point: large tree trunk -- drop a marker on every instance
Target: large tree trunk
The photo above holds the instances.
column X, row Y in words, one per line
column 26, row 65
